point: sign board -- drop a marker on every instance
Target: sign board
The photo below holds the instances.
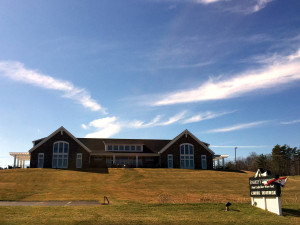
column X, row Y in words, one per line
column 259, row 189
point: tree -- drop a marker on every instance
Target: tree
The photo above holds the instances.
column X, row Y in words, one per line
column 283, row 159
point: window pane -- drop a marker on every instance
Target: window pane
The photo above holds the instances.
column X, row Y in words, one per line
column 138, row 148
column 109, row 147
column 132, row 148
column 116, row 147
column 40, row 163
column 55, row 147
column 186, row 150
column 59, row 164
column 66, row 147
column 187, row 163
column 60, row 150
column 65, row 163
column 182, row 149
column 191, row 149
column 181, row 163
column 121, row 147
column 78, row 163
column 79, row 156
column 192, row 164
column 127, row 148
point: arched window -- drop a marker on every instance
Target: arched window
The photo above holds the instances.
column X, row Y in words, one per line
column 187, row 156
column 60, row 154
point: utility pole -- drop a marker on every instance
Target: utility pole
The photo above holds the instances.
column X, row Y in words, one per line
column 235, row 157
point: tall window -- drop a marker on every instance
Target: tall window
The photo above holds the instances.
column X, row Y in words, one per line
column 187, row 156
column 60, row 154
column 170, row 161
column 41, row 160
column 203, row 161
column 79, row 160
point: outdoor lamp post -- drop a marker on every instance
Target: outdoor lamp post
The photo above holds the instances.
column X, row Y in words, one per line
column 235, row 157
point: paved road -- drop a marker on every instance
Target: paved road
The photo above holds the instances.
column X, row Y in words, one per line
column 51, row 203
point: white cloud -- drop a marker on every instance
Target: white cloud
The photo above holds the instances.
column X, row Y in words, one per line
column 205, row 116
column 238, row 146
column 260, row 4
column 85, row 127
column 142, row 124
column 173, row 119
column 236, row 6
column 105, row 127
column 208, row 1
column 156, row 121
column 275, row 74
column 237, row 127
column 17, row 71
column 290, row 122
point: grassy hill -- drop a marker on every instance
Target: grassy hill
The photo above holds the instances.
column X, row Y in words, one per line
column 140, row 196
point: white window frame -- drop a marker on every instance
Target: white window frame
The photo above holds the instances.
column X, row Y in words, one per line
column 41, row 166
column 77, row 162
column 170, row 161
column 62, row 154
column 203, row 165
column 187, row 157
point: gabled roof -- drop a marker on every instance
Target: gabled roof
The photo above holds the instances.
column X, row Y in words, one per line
column 97, row 145
column 61, row 129
column 186, row 132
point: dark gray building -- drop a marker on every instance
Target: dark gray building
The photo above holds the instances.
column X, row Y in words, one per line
column 62, row 150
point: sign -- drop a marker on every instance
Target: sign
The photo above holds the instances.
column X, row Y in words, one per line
column 259, row 189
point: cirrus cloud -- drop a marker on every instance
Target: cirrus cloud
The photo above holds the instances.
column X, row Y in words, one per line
column 282, row 72
column 18, row 72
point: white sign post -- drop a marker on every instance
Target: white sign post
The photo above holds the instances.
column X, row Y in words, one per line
column 272, row 204
column 265, row 193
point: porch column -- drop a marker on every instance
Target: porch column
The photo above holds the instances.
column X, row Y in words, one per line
column 18, row 162
column 218, row 163
column 15, row 158
column 114, row 159
column 214, row 164
column 136, row 161
column 223, row 160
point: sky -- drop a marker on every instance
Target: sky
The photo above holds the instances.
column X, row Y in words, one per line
column 226, row 70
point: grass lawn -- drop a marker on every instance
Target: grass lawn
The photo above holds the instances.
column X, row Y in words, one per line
column 140, row 196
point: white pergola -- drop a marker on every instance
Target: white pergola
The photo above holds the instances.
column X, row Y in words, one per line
column 20, row 158
column 217, row 159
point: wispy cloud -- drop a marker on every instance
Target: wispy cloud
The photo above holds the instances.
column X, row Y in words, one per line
column 290, row 122
column 260, row 4
column 236, row 6
column 157, row 121
column 17, row 72
column 238, row 127
column 185, row 66
column 105, row 127
column 208, row 1
column 238, row 146
column 278, row 73
column 205, row 116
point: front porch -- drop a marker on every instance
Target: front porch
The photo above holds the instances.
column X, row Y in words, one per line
column 125, row 160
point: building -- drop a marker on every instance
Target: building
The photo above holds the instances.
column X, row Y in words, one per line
column 62, row 150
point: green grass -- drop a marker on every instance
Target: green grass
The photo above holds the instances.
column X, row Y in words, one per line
column 140, row 196
column 135, row 213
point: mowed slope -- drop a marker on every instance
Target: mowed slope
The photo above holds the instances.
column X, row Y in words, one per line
column 134, row 185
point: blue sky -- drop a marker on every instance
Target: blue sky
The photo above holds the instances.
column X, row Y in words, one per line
column 227, row 70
